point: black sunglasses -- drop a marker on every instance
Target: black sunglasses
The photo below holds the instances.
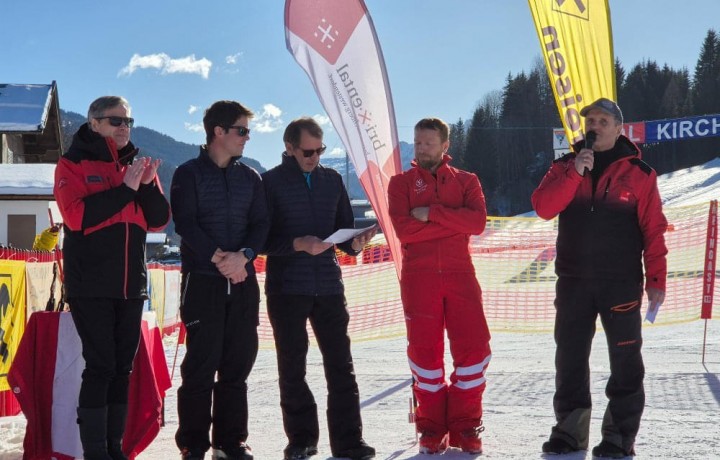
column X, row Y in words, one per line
column 117, row 121
column 307, row 153
column 241, row 130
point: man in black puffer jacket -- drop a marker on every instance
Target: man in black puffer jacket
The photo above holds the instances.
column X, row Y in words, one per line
column 307, row 203
column 220, row 212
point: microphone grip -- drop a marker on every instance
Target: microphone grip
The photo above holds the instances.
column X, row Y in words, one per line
column 590, row 137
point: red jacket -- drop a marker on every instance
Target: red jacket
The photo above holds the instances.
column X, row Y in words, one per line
column 106, row 222
column 610, row 219
column 457, row 210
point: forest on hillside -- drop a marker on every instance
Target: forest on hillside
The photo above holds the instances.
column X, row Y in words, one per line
column 508, row 141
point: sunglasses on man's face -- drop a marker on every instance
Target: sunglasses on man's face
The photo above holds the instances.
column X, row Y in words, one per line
column 241, row 130
column 307, row 153
column 118, row 121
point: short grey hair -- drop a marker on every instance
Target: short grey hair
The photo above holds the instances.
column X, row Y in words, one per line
column 100, row 105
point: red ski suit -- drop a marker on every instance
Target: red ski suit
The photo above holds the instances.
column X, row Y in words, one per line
column 440, row 291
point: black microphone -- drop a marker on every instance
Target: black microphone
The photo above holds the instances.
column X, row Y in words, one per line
column 590, row 138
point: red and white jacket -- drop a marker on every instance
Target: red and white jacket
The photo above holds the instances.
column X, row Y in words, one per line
column 457, row 210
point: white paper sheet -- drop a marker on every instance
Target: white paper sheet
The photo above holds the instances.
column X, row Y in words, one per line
column 652, row 311
column 345, row 234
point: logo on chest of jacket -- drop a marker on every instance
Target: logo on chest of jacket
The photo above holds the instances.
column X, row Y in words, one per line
column 420, row 186
column 94, row 179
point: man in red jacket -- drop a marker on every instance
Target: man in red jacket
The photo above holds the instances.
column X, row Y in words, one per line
column 434, row 209
column 109, row 199
column 611, row 221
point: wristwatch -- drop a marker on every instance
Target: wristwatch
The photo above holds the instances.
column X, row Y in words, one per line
column 249, row 253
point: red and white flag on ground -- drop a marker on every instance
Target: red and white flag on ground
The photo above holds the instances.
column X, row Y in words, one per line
column 46, row 376
column 334, row 41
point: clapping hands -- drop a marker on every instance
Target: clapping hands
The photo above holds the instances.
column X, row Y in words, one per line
column 141, row 171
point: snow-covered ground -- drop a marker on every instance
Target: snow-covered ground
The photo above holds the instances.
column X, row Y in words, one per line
column 681, row 419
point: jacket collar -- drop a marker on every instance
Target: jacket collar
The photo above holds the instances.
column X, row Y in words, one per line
column 101, row 148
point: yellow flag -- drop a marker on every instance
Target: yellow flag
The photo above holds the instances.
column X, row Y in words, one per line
column 576, row 42
column 12, row 314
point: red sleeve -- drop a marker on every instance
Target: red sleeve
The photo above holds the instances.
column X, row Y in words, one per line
column 470, row 218
column 653, row 225
column 68, row 193
column 407, row 228
column 556, row 190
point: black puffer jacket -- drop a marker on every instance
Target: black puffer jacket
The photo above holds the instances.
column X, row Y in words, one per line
column 297, row 210
column 215, row 208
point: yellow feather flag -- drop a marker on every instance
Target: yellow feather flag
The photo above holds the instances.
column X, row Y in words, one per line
column 576, row 41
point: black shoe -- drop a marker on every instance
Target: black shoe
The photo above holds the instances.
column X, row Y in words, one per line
column 299, row 452
column 557, row 446
column 192, row 454
column 359, row 452
column 608, row 450
column 239, row 452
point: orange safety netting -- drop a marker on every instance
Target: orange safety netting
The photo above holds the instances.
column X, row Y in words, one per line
column 514, row 260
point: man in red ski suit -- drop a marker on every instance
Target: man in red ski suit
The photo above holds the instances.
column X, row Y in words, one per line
column 435, row 208
column 611, row 222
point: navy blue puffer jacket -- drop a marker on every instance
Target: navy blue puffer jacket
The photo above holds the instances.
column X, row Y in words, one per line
column 215, row 208
column 297, row 210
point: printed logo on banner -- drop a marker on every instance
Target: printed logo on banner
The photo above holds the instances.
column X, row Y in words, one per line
column 5, row 304
column 577, row 8
column 323, row 26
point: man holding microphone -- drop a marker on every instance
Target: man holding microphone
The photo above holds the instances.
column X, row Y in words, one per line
column 611, row 222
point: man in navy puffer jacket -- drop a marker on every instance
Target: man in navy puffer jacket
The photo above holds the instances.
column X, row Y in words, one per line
column 307, row 203
column 220, row 212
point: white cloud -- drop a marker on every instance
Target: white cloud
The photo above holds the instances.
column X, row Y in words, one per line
column 337, row 152
column 232, row 59
column 195, row 127
column 322, row 120
column 167, row 65
column 192, row 109
column 268, row 120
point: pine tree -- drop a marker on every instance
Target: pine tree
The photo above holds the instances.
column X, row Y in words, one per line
column 706, row 81
column 481, row 147
column 457, row 144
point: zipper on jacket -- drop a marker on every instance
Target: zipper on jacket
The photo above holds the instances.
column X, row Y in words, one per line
column 127, row 255
column 607, row 189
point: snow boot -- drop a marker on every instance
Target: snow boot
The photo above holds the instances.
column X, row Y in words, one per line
column 606, row 449
column 93, row 432
column 433, row 443
column 117, row 415
column 557, row 446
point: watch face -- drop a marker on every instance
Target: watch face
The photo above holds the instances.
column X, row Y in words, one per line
column 249, row 253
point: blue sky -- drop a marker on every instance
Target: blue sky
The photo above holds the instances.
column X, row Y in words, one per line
column 173, row 58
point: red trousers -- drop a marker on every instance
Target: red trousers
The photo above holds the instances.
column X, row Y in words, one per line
column 435, row 303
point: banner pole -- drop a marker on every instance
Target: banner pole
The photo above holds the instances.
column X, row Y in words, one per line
column 704, row 342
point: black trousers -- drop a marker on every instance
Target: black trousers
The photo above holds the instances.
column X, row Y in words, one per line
column 221, row 320
column 578, row 303
column 109, row 331
column 329, row 319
